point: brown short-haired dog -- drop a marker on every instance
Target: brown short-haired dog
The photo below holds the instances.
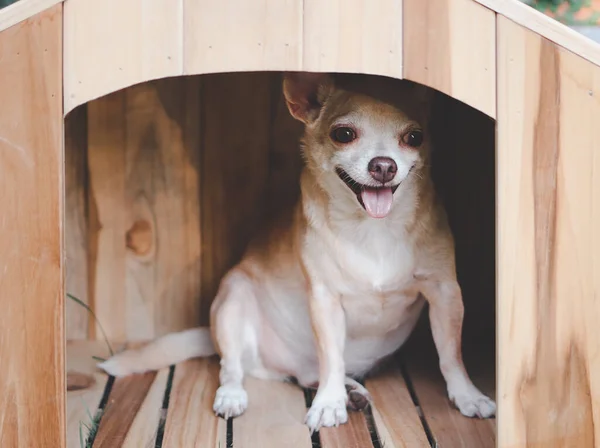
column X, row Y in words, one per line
column 338, row 283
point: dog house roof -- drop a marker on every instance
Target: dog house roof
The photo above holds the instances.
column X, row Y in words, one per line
column 112, row 44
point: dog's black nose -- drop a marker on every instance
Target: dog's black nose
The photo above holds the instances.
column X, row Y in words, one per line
column 382, row 169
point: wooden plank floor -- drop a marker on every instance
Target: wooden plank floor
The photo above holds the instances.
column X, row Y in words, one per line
column 172, row 408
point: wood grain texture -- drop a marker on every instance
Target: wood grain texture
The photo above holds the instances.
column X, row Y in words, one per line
column 191, row 421
column 76, row 236
column 274, row 417
column 234, row 171
column 236, row 35
column 143, row 430
column 163, row 208
column 113, row 44
column 124, row 402
column 353, row 36
column 353, row 434
column 22, row 10
column 395, row 415
column 83, row 403
column 149, row 40
column 107, row 217
column 448, row 426
column 450, row 45
column 548, row 262
column 144, row 237
column 32, row 389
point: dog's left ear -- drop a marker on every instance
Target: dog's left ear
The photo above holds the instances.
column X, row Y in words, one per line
column 305, row 93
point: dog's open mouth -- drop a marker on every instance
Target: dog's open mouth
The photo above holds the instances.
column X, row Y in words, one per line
column 377, row 201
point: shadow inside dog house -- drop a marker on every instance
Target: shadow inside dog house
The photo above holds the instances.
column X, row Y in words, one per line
column 166, row 183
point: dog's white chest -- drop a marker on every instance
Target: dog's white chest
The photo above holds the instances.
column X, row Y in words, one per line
column 376, row 266
column 376, row 285
column 377, row 314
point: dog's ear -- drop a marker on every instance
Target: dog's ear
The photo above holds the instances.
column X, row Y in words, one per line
column 305, row 93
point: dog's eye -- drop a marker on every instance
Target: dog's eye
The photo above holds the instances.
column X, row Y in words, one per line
column 343, row 135
column 413, row 139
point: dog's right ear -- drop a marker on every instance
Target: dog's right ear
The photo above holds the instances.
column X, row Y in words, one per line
column 305, row 93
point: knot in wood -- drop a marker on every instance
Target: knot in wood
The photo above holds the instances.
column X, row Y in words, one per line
column 139, row 238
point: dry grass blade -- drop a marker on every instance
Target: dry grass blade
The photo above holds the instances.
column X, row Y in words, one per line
column 85, row 305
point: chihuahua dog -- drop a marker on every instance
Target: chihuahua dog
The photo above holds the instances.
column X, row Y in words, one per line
column 337, row 283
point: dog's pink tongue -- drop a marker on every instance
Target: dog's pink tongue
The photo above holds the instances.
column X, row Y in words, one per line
column 378, row 201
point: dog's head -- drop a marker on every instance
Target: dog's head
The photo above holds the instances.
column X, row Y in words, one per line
column 364, row 136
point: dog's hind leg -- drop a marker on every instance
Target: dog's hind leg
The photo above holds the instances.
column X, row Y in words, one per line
column 234, row 321
column 358, row 396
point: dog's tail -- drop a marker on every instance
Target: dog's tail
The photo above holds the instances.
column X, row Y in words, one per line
column 162, row 352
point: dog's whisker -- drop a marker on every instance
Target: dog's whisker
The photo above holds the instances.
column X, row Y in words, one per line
column 414, row 173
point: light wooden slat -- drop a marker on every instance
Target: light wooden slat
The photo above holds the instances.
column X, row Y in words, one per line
column 353, row 36
column 578, row 254
column 237, row 35
column 144, row 428
column 449, row 427
column 83, row 403
column 107, row 214
column 163, row 207
column 396, row 418
column 32, row 386
column 234, row 164
column 124, row 402
column 76, row 236
column 274, row 417
column 548, row 258
column 547, row 27
column 22, row 10
column 450, row 45
column 191, row 421
column 353, row 434
column 112, row 44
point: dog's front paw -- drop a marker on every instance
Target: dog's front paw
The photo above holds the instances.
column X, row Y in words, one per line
column 230, row 401
column 474, row 404
column 326, row 412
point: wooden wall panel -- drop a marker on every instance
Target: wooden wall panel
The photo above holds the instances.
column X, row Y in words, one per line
column 32, row 370
column 162, row 196
column 20, row 11
column 76, row 236
column 234, row 166
column 112, row 44
column 285, row 159
column 450, row 45
column 172, row 200
column 107, row 215
column 235, row 35
column 144, row 209
column 353, row 36
column 548, row 249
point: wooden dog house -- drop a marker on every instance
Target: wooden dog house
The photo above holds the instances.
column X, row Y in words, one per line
column 113, row 117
